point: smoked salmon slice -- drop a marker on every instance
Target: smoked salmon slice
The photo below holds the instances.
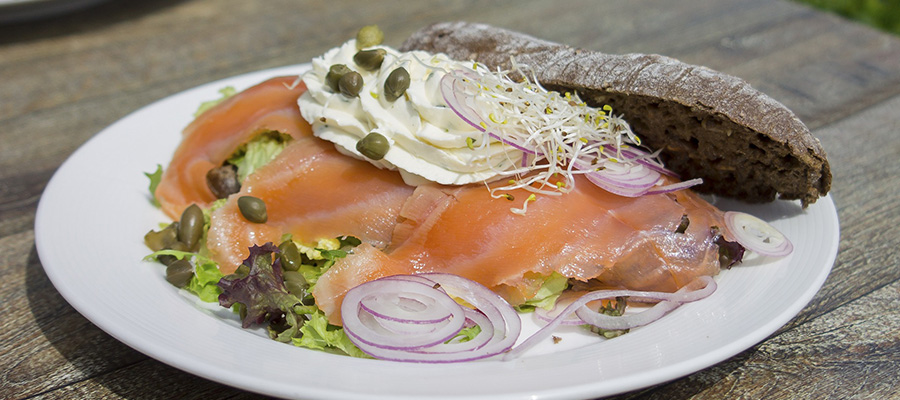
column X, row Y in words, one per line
column 215, row 135
column 586, row 234
column 312, row 192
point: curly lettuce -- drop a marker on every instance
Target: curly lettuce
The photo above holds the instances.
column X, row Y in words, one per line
column 154, row 177
column 206, row 273
column 226, row 92
column 546, row 296
column 258, row 152
column 257, row 289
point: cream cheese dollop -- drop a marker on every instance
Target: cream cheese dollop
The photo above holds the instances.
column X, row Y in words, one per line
column 428, row 140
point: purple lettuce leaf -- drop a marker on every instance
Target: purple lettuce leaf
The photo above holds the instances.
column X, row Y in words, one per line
column 261, row 292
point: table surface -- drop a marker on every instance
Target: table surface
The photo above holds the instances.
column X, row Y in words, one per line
column 66, row 78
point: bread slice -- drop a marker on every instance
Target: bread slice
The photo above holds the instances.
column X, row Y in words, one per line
column 743, row 143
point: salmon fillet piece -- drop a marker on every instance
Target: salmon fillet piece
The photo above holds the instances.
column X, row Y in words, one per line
column 214, row 136
column 312, row 192
column 586, row 234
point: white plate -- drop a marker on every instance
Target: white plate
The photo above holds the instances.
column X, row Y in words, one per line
column 95, row 211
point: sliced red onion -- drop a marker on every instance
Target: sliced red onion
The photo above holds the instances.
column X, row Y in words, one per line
column 633, row 182
column 503, row 317
column 675, row 186
column 367, row 328
column 668, row 302
column 639, row 156
column 454, row 94
column 400, row 333
column 757, row 235
column 548, row 316
column 405, row 307
column 441, row 353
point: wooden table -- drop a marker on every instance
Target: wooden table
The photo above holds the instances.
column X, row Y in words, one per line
column 64, row 79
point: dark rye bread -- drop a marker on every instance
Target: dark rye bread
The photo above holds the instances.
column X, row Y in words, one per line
column 741, row 142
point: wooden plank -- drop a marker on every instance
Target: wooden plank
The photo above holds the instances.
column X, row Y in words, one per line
column 865, row 186
column 46, row 344
column 850, row 353
column 66, row 79
column 148, row 379
column 848, row 332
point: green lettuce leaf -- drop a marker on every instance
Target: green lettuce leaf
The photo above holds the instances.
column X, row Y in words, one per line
column 204, row 282
column 154, row 177
column 206, row 273
column 466, row 334
column 226, row 92
column 546, row 296
column 319, row 335
column 257, row 152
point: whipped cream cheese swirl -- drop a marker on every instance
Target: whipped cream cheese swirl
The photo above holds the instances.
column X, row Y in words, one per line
column 428, row 141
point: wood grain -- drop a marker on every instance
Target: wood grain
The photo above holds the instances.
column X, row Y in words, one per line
column 63, row 80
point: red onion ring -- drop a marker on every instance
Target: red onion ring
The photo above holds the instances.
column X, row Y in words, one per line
column 402, row 334
column 668, row 302
column 757, row 235
column 409, row 308
column 675, row 186
column 548, row 316
column 452, row 90
column 631, row 183
column 640, row 156
column 367, row 329
column 505, row 321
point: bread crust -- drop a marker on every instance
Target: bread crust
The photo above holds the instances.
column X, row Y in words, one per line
column 743, row 143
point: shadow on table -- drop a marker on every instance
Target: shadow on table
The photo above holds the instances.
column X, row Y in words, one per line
column 86, row 19
column 96, row 356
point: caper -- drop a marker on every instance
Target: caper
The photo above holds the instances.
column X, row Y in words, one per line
column 290, row 257
column 178, row 246
column 295, row 283
column 368, row 36
column 350, row 84
column 190, row 228
column 396, row 84
column 167, row 259
column 374, row 146
column 369, row 60
column 223, row 181
column 335, row 73
column 253, row 209
column 162, row 239
column 179, row 273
